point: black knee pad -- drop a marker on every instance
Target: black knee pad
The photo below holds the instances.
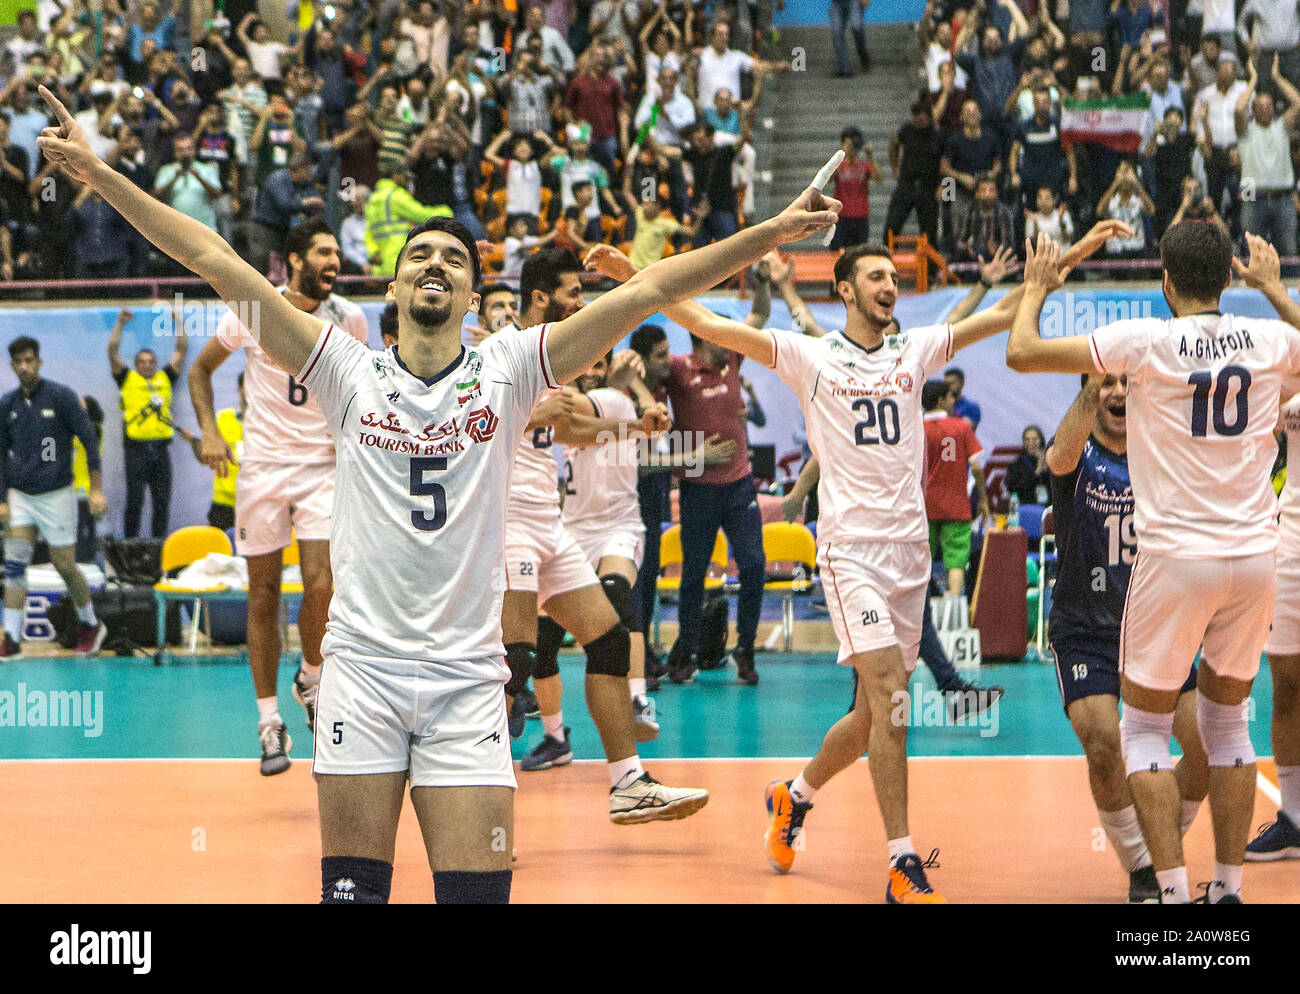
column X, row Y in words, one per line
column 464, row 887
column 619, row 592
column 610, row 655
column 519, row 657
column 550, row 636
column 355, row 880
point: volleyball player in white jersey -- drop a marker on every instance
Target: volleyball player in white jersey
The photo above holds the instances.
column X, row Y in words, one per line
column 602, row 514
column 425, row 437
column 1204, row 391
column 286, row 482
column 860, row 391
column 547, row 568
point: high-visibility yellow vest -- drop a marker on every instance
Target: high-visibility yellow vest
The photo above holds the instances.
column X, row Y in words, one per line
column 231, row 426
column 391, row 213
column 147, row 406
column 81, row 468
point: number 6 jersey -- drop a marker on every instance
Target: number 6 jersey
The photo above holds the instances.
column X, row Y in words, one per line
column 1203, row 396
column 863, row 413
column 424, row 471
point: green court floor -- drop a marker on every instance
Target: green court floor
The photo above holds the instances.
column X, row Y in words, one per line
column 205, row 709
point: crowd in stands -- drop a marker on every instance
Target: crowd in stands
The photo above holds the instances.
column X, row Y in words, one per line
column 560, row 121
column 1202, row 100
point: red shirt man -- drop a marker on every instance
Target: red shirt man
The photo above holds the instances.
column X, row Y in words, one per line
column 704, row 387
column 950, row 450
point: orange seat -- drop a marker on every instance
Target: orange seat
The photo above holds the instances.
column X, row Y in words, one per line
column 816, row 268
column 612, row 230
column 917, row 262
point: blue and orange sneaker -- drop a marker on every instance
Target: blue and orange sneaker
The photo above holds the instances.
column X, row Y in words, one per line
column 1280, row 840
column 907, row 883
column 786, row 823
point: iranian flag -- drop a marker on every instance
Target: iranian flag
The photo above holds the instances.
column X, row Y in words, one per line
column 1119, row 123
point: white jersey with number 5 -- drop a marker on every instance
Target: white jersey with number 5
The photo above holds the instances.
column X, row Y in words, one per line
column 863, row 412
column 600, row 480
column 1203, row 396
column 418, row 533
column 283, row 423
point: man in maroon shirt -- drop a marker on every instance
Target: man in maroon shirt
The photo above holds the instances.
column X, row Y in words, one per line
column 950, row 447
column 708, row 401
column 596, row 97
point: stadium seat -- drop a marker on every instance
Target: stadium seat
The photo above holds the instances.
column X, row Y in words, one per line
column 913, row 256
column 1031, row 520
column 670, row 555
column 183, row 547
column 788, row 543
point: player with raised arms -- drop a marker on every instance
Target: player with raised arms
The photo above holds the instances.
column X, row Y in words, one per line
column 425, row 436
column 1204, row 389
column 860, row 391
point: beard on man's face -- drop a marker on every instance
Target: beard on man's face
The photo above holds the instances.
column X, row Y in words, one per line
column 430, row 315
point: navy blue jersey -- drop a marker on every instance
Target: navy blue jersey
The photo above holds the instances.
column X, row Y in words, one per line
column 1095, row 541
column 36, row 435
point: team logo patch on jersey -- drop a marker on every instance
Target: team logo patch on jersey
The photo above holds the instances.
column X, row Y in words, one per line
column 481, row 424
column 904, row 381
column 381, row 366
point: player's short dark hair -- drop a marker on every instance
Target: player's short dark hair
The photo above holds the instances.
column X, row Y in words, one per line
column 490, row 288
column 388, row 320
column 24, row 343
column 300, row 238
column 955, row 371
column 146, row 352
column 849, row 259
column 854, row 134
column 580, row 184
column 933, row 391
column 1197, row 256
column 457, row 231
column 646, row 337
column 542, row 271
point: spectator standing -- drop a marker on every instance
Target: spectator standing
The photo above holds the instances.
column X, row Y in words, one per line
column 555, row 49
column 665, row 113
column 1028, row 478
column 967, row 154
column 1216, row 129
column 1125, row 200
column 1037, row 156
column 395, row 130
column 37, row 424
column 150, row 25
column 849, row 17
column 22, row 45
column 26, row 122
column 578, row 167
column 352, row 235
column 1203, row 67
column 99, row 238
column 962, row 406
column 990, row 225
column 851, row 189
column 1265, row 147
column 243, row 100
column 391, row 212
column 1275, row 25
column 1164, row 93
column 993, row 76
column 615, row 19
column 129, row 160
column 216, row 146
column 914, row 154
column 274, row 141
column 951, row 452
column 188, row 185
column 281, row 201
column 147, row 426
column 530, row 94
column 720, row 66
column 1170, row 152
column 596, row 98
column 264, row 53
column 654, row 226
column 523, row 175
column 714, row 195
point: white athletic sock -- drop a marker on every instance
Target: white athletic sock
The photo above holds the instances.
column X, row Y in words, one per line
column 86, row 615
column 624, row 771
column 636, row 684
column 1173, row 885
column 898, row 848
column 1125, row 834
column 554, row 725
column 1227, row 880
column 1288, row 779
column 269, row 710
column 310, row 673
column 14, row 623
column 1190, row 809
column 801, row 790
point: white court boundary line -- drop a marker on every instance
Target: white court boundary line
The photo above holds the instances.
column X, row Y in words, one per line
column 1266, row 788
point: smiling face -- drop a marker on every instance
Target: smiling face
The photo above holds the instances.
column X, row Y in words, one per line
column 313, row 275
column 1112, row 410
column 872, row 291
column 594, row 377
column 146, row 363
column 434, row 284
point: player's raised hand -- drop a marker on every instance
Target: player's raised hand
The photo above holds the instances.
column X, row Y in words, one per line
column 609, row 261
column 1098, row 235
column 625, row 367
column 1264, row 268
column 214, row 452
column 1004, row 261
column 655, row 420
column 810, row 213
column 66, row 146
column 1042, row 264
column 554, row 410
column 779, row 268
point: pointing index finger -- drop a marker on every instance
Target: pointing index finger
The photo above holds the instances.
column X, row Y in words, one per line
column 827, row 171
column 56, row 105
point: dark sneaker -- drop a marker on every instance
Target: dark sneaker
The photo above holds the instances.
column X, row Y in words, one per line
column 966, row 700
column 90, row 638
column 1224, row 899
column 655, row 670
column 1143, row 888
column 907, row 883
column 683, row 669
column 529, row 699
column 549, row 752
column 744, row 660
column 1280, row 840
column 517, row 718
column 305, row 694
column 275, row 748
column 10, row 649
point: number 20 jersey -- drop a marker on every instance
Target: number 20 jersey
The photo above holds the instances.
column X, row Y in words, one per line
column 424, row 471
column 863, row 413
column 283, row 423
column 1203, row 397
